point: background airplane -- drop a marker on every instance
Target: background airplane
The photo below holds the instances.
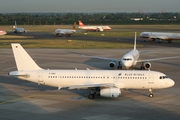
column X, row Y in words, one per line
column 18, row 30
column 65, row 32
column 130, row 59
column 106, row 82
column 93, row 28
column 160, row 36
column 2, row 32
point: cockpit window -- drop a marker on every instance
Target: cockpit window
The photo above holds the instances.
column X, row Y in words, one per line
column 163, row 77
column 127, row 59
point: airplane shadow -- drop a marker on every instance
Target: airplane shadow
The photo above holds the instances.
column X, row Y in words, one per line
column 136, row 92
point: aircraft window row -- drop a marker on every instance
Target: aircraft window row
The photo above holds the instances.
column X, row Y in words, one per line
column 163, row 77
column 126, row 59
column 99, row 77
column 132, row 77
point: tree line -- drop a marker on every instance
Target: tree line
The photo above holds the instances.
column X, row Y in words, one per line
column 89, row 18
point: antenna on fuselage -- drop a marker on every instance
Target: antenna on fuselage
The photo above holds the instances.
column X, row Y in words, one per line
column 135, row 42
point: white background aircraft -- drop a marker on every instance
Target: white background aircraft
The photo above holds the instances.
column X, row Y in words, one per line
column 93, row 28
column 107, row 82
column 65, row 32
column 2, row 32
column 160, row 36
column 130, row 59
column 18, row 30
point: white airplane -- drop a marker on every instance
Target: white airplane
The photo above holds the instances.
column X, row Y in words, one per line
column 93, row 28
column 152, row 36
column 2, row 32
column 65, row 32
column 107, row 82
column 130, row 59
column 18, row 30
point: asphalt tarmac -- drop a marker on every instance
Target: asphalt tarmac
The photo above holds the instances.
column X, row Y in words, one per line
column 22, row 100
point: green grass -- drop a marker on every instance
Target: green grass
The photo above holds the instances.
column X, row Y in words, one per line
column 65, row 44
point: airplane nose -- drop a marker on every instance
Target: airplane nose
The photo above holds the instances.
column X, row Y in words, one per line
column 170, row 83
column 126, row 64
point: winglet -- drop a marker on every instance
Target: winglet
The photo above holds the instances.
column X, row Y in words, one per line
column 22, row 58
column 135, row 42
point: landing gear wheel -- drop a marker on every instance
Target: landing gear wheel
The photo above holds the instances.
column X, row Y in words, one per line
column 91, row 96
column 151, row 95
column 119, row 68
column 142, row 68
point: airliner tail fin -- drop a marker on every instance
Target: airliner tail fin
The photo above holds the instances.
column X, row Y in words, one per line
column 135, row 42
column 22, row 58
column 80, row 23
column 74, row 26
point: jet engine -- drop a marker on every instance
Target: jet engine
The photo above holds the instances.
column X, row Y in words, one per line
column 147, row 65
column 99, row 29
column 112, row 64
column 110, row 92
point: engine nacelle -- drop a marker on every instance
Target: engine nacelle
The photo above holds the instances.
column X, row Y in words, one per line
column 147, row 65
column 110, row 92
column 99, row 29
column 112, row 64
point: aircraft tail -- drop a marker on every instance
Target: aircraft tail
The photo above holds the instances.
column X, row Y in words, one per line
column 74, row 26
column 135, row 42
column 15, row 24
column 80, row 23
column 22, row 58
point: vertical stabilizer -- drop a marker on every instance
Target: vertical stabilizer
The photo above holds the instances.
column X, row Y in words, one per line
column 22, row 58
column 15, row 24
column 80, row 23
column 74, row 26
column 135, row 42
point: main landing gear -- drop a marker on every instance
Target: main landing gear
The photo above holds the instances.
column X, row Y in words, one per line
column 151, row 93
column 93, row 93
column 119, row 66
column 142, row 66
column 91, row 96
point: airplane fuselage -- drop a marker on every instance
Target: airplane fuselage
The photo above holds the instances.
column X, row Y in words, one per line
column 121, row 79
column 160, row 35
column 19, row 30
column 62, row 32
column 2, row 32
column 95, row 28
column 130, row 59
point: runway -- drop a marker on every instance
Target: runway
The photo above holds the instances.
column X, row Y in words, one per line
column 24, row 100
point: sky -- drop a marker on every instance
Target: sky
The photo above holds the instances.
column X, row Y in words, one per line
column 87, row 6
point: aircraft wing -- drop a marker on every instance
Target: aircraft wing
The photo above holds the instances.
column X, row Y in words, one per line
column 92, row 86
column 144, row 51
column 102, row 58
column 146, row 60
